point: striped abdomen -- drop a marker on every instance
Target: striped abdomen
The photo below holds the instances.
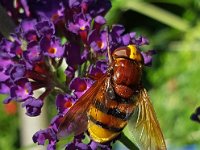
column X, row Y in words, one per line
column 107, row 118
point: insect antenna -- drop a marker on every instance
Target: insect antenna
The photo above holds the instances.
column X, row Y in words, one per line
column 108, row 45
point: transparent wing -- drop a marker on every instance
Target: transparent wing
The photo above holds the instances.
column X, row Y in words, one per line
column 75, row 121
column 146, row 130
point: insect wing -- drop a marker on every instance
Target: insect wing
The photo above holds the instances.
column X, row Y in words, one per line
column 75, row 120
column 147, row 131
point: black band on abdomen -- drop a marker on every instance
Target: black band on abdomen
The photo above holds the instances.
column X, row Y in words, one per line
column 112, row 111
column 105, row 126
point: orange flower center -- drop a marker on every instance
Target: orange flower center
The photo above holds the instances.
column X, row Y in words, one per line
column 68, row 104
column 52, row 50
column 100, row 44
column 82, row 87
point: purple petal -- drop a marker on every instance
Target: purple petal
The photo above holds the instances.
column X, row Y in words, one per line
column 99, row 21
column 28, row 25
column 126, row 39
column 148, row 57
column 4, row 88
column 7, row 100
column 118, row 29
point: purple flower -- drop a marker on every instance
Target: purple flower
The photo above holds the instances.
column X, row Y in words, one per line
column 79, row 14
column 47, row 134
column 64, row 102
column 98, row 41
column 33, row 106
column 81, row 23
column 80, row 85
column 27, row 63
column 22, row 90
column 52, row 47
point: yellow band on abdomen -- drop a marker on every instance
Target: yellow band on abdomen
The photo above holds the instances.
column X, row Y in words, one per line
column 99, row 134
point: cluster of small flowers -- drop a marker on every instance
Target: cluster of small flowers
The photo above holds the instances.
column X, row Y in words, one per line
column 33, row 54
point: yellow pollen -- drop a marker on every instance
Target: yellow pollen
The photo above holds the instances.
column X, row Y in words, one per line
column 26, row 91
column 82, row 28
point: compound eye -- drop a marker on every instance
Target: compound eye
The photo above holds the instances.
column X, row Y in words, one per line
column 121, row 52
column 129, row 52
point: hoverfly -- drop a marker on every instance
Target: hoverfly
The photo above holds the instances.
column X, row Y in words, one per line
column 107, row 106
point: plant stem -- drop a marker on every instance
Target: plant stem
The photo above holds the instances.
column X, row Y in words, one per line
column 127, row 142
